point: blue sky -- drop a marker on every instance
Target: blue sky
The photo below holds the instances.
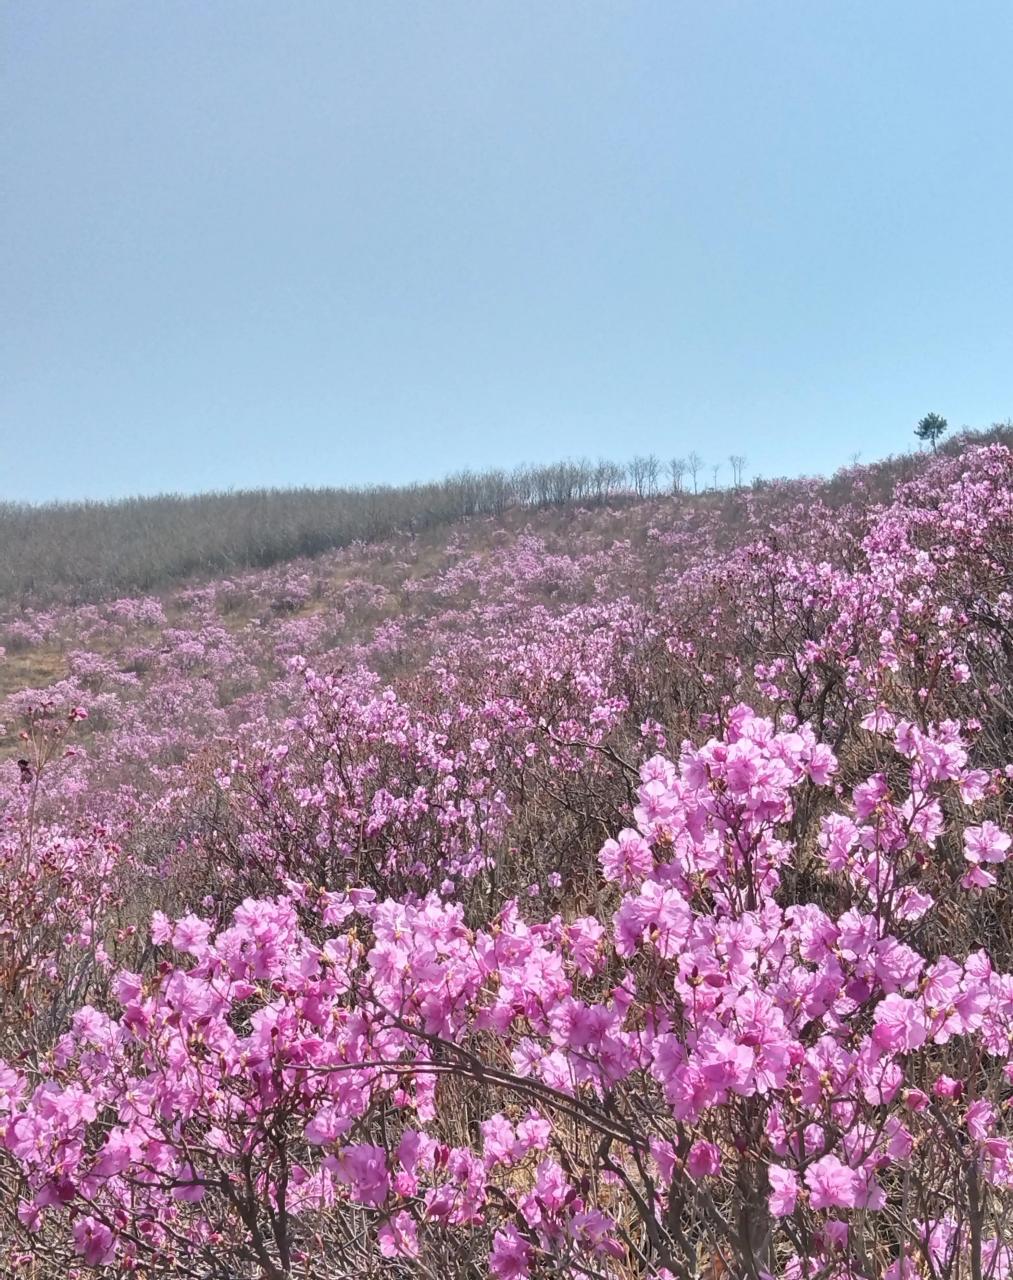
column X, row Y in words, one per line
column 293, row 242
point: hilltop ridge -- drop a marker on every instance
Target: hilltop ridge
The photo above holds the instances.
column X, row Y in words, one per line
column 80, row 551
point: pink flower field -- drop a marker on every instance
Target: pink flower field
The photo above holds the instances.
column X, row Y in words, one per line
column 587, row 892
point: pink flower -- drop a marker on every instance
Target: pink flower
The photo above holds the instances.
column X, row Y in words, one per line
column 552, row 1191
column 977, row 878
column 972, row 785
column 327, row 1126
column 93, row 1241
column 986, row 843
column 878, row 721
column 363, row 1169
column 947, row 1087
column 783, row 1190
column 533, row 1134
column 703, row 1161
column 900, row 1025
column 399, row 1238
column 867, row 795
column 659, row 914
column 498, row 1139
column 664, row 1157
column 189, row 1186
column 191, row 935
column 821, row 765
column 510, row 1255
column 627, row 860
column 29, row 1215
column 980, row 1120
column 832, row 1185
column 161, row 929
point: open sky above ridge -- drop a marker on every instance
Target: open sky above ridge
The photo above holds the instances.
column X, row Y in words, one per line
column 314, row 242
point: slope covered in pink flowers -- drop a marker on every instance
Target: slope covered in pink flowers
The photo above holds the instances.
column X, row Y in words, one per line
column 611, row 893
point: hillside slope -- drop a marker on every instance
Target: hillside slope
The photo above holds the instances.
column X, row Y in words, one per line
column 614, row 890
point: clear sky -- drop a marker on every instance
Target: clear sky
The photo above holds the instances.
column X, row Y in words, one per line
column 289, row 242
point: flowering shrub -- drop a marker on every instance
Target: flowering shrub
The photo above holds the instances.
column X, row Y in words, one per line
column 662, row 930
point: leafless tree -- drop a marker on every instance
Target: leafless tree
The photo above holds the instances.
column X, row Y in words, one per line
column 496, row 493
column 694, row 464
column 677, row 471
column 737, row 462
column 639, row 471
column 652, row 465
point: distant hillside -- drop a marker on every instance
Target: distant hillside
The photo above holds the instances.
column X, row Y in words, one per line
column 81, row 551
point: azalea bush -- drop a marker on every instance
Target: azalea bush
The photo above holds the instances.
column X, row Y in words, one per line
column 653, row 921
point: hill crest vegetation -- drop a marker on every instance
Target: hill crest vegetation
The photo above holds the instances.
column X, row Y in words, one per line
column 77, row 551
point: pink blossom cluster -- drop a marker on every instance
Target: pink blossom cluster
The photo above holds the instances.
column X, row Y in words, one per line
column 698, row 1037
column 630, row 899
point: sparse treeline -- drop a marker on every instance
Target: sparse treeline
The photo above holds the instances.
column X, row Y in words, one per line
column 82, row 551
column 87, row 550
